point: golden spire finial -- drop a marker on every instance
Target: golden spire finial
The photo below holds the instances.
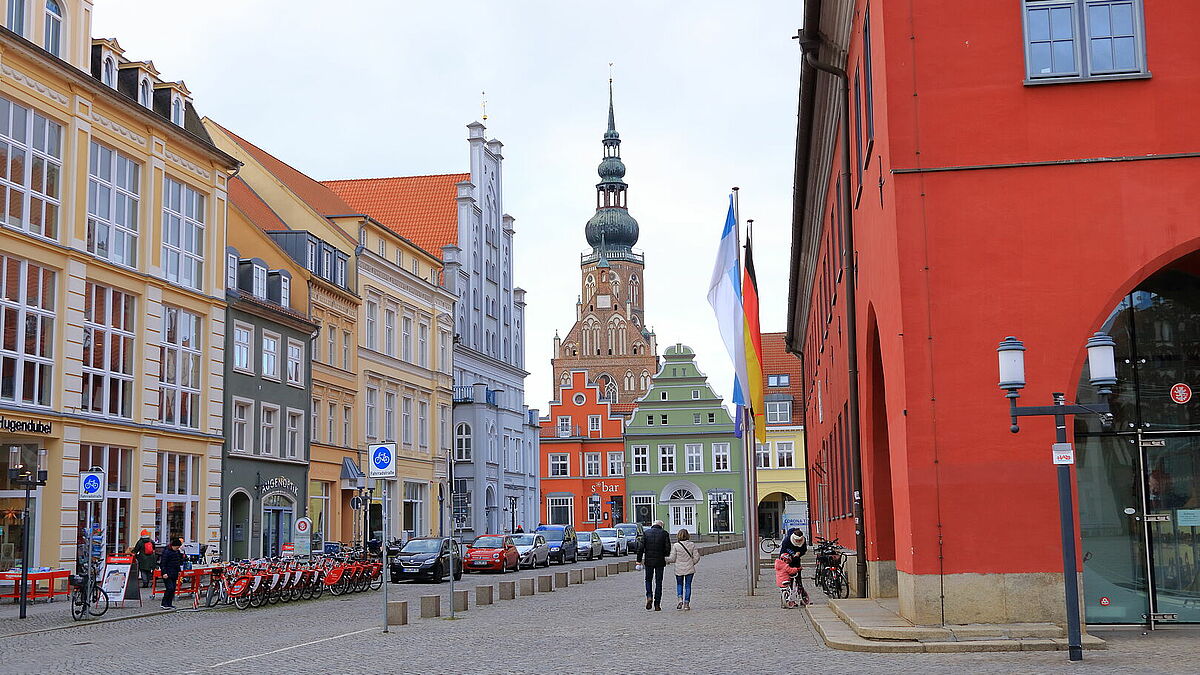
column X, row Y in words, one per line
column 483, row 104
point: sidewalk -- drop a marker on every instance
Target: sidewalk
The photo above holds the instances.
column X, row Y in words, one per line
column 42, row 615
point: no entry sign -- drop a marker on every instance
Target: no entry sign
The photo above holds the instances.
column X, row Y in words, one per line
column 1181, row 393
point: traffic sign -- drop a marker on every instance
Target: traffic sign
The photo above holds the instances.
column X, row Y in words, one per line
column 381, row 461
column 303, row 542
column 91, row 486
column 1181, row 393
column 1064, row 453
column 1104, row 601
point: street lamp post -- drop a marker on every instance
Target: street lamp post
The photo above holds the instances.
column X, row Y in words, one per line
column 28, row 477
column 1103, row 375
column 512, row 509
column 364, row 494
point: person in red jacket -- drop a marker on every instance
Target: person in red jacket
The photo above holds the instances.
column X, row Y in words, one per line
column 787, row 573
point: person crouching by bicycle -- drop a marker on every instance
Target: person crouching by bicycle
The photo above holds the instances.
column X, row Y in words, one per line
column 794, row 542
column 171, row 562
column 787, row 573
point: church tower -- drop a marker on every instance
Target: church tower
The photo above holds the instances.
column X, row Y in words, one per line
column 610, row 339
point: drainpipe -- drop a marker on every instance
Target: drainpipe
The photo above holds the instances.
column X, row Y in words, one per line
column 810, row 48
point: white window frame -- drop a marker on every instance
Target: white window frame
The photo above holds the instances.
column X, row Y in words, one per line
column 553, row 504
column 108, row 390
column 258, row 286
column 371, row 325
column 423, row 345
column 243, row 350
column 389, row 331
column 345, row 351
column 721, row 457
column 762, row 455
column 370, row 423
column 423, row 425
column 145, row 93
column 295, row 434
column 693, row 458
column 779, row 412
column 640, row 458
column 241, row 424
column 389, row 416
column 271, row 345
column 695, row 394
column 39, row 140
column 591, row 464
column 564, row 426
column 181, row 486
column 113, row 208
column 347, row 424
column 616, row 464
column 785, row 449
column 268, row 421
column 52, row 28
column 666, row 458
column 642, row 500
column 406, row 325
column 593, row 423
column 183, row 218
column 406, row 420
column 331, row 423
column 314, row 431
column 295, row 363
column 462, row 442
column 285, row 291
column 173, row 393
column 559, row 464
column 14, row 20
column 231, row 271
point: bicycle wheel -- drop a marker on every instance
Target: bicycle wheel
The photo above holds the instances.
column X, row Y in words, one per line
column 78, row 604
column 768, row 545
column 841, row 587
column 242, row 601
column 212, row 596
column 99, row 602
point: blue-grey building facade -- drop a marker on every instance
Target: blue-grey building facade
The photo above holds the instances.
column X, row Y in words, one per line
column 495, row 434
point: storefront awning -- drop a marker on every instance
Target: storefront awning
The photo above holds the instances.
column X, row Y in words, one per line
column 350, row 470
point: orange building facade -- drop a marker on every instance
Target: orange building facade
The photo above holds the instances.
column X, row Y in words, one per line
column 582, row 458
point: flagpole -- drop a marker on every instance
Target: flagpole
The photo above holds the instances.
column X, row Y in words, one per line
column 748, row 502
column 753, row 436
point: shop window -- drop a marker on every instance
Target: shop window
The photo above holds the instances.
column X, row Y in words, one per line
column 559, row 510
column 177, row 499
column 116, row 514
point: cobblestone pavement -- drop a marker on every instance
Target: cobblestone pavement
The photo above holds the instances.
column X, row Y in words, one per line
column 599, row 626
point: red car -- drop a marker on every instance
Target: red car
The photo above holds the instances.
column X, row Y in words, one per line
column 495, row 552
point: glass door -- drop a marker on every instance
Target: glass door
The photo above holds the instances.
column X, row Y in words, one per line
column 1173, row 515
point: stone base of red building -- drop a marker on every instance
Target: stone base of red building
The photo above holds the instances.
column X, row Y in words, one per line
column 952, row 599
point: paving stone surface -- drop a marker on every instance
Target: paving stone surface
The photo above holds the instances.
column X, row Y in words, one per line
column 725, row 632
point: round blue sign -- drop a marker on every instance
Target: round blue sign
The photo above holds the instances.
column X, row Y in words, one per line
column 91, row 484
column 382, row 457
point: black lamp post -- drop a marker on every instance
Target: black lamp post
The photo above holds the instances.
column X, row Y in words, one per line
column 1103, row 375
column 512, row 509
column 30, row 478
column 364, row 495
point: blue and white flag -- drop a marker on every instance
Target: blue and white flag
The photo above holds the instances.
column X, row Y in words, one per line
column 725, row 296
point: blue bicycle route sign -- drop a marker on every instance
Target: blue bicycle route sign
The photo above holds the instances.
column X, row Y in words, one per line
column 91, row 486
column 383, row 461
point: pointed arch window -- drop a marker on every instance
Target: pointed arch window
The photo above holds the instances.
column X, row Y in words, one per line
column 645, row 380
column 53, row 33
column 628, row 380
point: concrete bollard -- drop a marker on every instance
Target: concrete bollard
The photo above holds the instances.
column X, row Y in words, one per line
column 601, row 571
column 397, row 612
column 545, row 583
column 431, row 606
column 626, row 566
column 460, row 600
column 614, row 568
column 508, row 590
column 526, row 585
column 575, row 576
column 561, row 580
column 589, row 574
column 483, row 595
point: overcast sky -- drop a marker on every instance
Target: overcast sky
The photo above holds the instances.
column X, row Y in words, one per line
column 705, row 100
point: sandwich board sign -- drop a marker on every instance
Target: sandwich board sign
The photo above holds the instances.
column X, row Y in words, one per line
column 381, row 462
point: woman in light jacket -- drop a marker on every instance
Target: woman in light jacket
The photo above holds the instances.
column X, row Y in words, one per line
column 684, row 555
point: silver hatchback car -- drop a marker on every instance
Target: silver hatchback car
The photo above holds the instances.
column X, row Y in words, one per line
column 613, row 541
column 533, row 550
column 590, row 546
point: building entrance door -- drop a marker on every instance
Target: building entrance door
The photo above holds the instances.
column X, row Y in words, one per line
column 683, row 517
column 1139, row 480
column 278, row 513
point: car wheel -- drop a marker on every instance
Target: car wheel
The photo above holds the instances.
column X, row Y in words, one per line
column 438, row 573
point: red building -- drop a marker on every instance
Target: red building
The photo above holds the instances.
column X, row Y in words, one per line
column 1021, row 168
column 582, row 458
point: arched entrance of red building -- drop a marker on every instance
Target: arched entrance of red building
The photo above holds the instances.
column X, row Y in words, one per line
column 880, row 526
column 1139, row 482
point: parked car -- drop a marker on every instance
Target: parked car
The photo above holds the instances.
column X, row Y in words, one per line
column 613, row 541
column 428, row 559
column 533, row 549
column 562, row 540
column 590, row 546
column 495, row 552
column 634, row 535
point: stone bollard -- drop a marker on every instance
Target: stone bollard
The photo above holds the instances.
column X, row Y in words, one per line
column 561, row 580
column 545, row 583
column 483, row 595
column 575, row 576
column 397, row 612
column 614, row 568
column 626, row 566
column 526, row 585
column 589, row 574
column 460, row 600
column 601, row 571
column 508, row 590
column 431, row 606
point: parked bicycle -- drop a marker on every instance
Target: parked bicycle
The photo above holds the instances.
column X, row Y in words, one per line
column 267, row 581
column 87, row 597
column 769, row 544
column 830, row 575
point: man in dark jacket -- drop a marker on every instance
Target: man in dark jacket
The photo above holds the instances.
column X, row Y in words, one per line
column 170, row 563
column 794, row 542
column 655, row 548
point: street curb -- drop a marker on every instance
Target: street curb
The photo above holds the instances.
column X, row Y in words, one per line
column 97, row 622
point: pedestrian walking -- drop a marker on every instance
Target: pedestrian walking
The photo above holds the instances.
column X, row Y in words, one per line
column 171, row 563
column 147, row 559
column 684, row 556
column 655, row 549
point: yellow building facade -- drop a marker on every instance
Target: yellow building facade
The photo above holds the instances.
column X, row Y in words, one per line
column 780, row 461
column 111, row 309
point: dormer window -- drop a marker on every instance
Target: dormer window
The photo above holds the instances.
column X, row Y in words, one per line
column 285, row 291
column 260, row 282
column 109, row 73
column 177, row 110
column 144, row 96
column 231, row 267
column 15, row 19
column 53, row 34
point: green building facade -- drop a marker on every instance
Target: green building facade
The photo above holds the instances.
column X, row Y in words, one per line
column 685, row 466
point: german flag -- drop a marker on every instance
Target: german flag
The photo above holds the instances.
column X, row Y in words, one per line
column 754, row 349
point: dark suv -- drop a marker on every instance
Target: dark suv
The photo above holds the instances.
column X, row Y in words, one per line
column 426, row 558
column 562, row 540
column 634, row 534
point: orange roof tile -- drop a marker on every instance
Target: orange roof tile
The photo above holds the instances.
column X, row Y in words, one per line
column 421, row 209
column 320, row 198
column 248, row 202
